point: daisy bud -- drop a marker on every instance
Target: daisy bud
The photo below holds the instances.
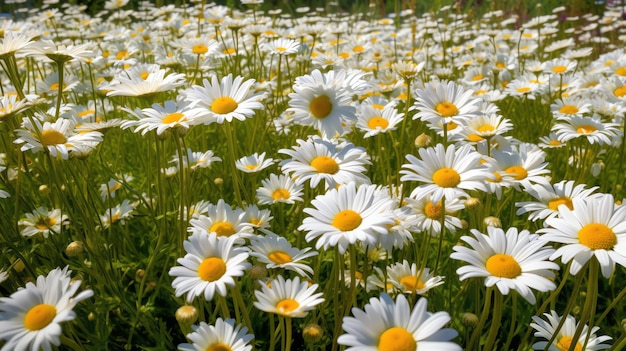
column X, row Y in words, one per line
column 74, row 248
column 423, row 140
column 492, row 221
column 91, row 316
column 44, row 189
column 472, row 203
column 139, row 275
column 18, row 265
column 469, row 320
column 312, row 333
column 464, row 224
column 624, row 324
column 186, row 315
column 257, row 272
column 218, row 181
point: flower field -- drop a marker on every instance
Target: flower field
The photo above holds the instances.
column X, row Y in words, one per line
column 204, row 177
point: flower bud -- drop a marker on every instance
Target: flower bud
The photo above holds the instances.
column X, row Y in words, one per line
column 423, row 140
column 312, row 333
column 492, row 221
column 186, row 314
column 469, row 320
column 257, row 272
column 74, row 248
column 472, row 203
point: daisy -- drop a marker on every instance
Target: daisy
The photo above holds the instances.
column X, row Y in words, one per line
column 523, row 87
column 594, row 227
column 549, row 197
column 10, row 105
column 510, row 261
column 564, row 338
column 594, row 130
column 483, row 127
column 346, row 215
column 222, row 220
column 140, row 84
column 427, row 214
column 224, row 100
column 209, row 266
column 317, row 159
column 522, row 165
column 110, row 188
column 253, row 163
column 373, row 121
column 559, row 66
column 388, row 325
column 223, row 335
column 288, row 298
column 257, row 218
column 57, row 138
column 550, row 141
column 569, row 106
column 281, row 46
column 201, row 45
column 409, row 280
column 276, row 252
column 13, row 41
column 196, row 159
column 446, row 172
column 30, row 319
column 170, row 115
column 279, row 188
column 445, row 102
column 43, row 221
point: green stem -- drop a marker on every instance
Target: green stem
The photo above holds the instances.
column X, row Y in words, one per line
column 475, row 339
column 60, row 89
column 288, row 334
column 495, row 321
column 231, row 150
column 589, row 309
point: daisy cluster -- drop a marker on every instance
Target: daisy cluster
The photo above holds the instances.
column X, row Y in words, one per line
column 227, row 179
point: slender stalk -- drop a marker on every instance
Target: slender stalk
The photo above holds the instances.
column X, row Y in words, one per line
column 231, row 150
column 495, row 321
column 475, row 339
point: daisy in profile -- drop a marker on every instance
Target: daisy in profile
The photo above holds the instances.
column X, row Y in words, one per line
column 110, row 188
column 594, row 227
column 223, row 335
column 224, row 100
column 170, row 115
column 43, row 221
column 446, row 173
column 257, row 218
column 138, row 83
column 209, row 267
column 222, row 220
column 570, row 106
column 407, row 279
column 549, row 197
column 510, row 261
column 279, row 188
column 594, row 130
column 317, row 159
column 276, row 252
column 118, row 213
column 30, row 319
column 373, row 121
column 10, row 105
column 387, row 325
column 427, row 214
column 521, row 165
column 57, row 138
column 281, row 46
column 196, row 159
column 483, row 127
column 565, row 336
column 445, row 102
column 253, row 163
column 348, row 215
column 288, row 298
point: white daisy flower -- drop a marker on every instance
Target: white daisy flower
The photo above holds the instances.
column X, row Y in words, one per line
column 253, row 163
column 510, row 261
column 209, row 267
column 388, row 325
column 43, row 221
column 279, row 188
column 427, row 214
column 223, row 335
column 408, row 279
column 30, row 319
column 564, row 337
column 522, row 165
column 288, row 298
column 281, row 46
column 594, row 130
column 594, row 227
column 170, row 115
column 222, row 220
column 373, row 121
column 276, row 252
column 117, row 214
column 445, row 102
column 143, row 84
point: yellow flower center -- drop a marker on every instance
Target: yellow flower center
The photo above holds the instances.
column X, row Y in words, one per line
column 358, row 48
column 321, row 107
column 45, row 222
column 281, row 194
column 280, row 257
column 85, row 113
column 344, row 55
column 378, row 122
column 39, row 316
column 287, row 305
column 559, row 69
column 555, row 143
column 222, row 229
column 474, row 138
column 478, row 77
column 122, row 55
column 397, row 339
column 412, row 283
column 518, row 172
column 597, row 236
column 173, row 118
column 446, row 109
column 569, row 109
column 497, row 178
column 199, row 49
column 325, row 164
column 433, row 211
column 446, row 177
column 486, row 128
column 52, row 137
column 621, row 91
column 211, row 269
column 224, row 105
column 500, row 65
column 586, row 129
column 563, row 200
column 378, row 106
column 251, row 167
column 621, row 71
column 503, row 266
column 219, row 347
column 523, row 89
column 347, row 220
column 565, row 342
column 144, row 75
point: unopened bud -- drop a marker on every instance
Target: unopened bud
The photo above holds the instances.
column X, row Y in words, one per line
column 74, row 248
column 18, row 265
column 492, row 221
column 312, row 333
column 423, row 140
column 469, row 320
column 139, row 275
column 218, row 181
column 257, row 272
column 186, row 314
column 472, row 203
column 44, row 189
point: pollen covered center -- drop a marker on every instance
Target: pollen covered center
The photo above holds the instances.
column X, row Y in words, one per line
column 222, row 229
column 219, row 347
column 211, row 269
column 224, row 105
column 397, row 339
column 52, row 137
column 39, row 316
column 586, row 129
column 446, row 177
column 199, row 49
column 559, row 69
column 503, row 266
column 173, row 118
column 280, row 257
column 621, row 91
column 281, row 194
column 325, row 164
column 412, row 283
column 563, row 200
column 433, row 211
column 347, row 220
column 378, row 122
column 287, row 305
column 45, row 222
column 447, row 109
column 565, row 343
column 569, row 109
column 518, row 172
column 321, row 107
column 597, row 236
